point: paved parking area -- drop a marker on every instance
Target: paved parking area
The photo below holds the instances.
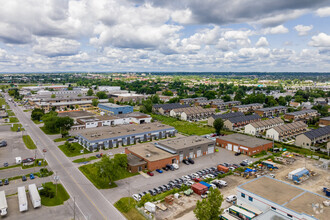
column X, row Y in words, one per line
column 15, row 148
column 139, row 183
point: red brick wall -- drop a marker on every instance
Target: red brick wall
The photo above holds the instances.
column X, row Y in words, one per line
column 324, row 122
column 250, row 151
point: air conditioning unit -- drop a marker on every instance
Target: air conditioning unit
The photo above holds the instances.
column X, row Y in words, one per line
column 148, row 155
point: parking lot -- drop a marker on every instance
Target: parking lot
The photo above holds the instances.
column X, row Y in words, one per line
column 15, row 148
column 141, row 183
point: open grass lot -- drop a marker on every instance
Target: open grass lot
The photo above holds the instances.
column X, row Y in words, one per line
column 61, row 197
column 13, row 120
column 48, row 132
column 62, row 139
column 15, row 127
column 126, row 206
column 74, row 150
column 81, row 160
column 37, row 122
column 189, row 128
column 29, row 142
column 90, row 171
column 3, row 102
column 27, row 110
column 10, row 113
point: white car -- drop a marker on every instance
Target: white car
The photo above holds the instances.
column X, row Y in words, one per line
column 136, row 197
column 195, row 175
column 205, row 195
column 223, row 183
column 213, row 186
column 231, row 198
column 189, row 183
column 208, row 176
column 186, row 177
column 176, row 166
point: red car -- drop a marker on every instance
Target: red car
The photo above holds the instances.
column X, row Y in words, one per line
column 197, row 179
column 150, row 173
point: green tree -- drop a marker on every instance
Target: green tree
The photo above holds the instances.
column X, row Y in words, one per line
column 37, row 114
column 168, row 93
column 90, row 92
column 101, row 95
column 209, row 208
column 106, row 169
column 218, row 125
column 146, row 198
column 111, row 100
column 282, row 101
column 95, row 102
column 226, row 98
column 53, row 96
column 210, row 94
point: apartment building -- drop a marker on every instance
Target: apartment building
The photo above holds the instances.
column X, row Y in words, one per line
column 190, row 101
column 165, row 109
column 237, row 123
column 272, row 111
column 303, row 115
column 257, row 128
column 286, row 131
column 224, row 117
column 246, row 108
column 192, row 113
column 313, row 137
column 225, row 105
column 324, row 121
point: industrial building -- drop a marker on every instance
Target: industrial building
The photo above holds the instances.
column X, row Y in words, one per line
column 280, row 200
column 243, row 143
column 191, row 146
column 324, row 121
column 154, row 157
column 303, row 115
column 272, row 111
column 165, row 109
column 127, row 97
column 286, row 131
column 120, row 135
column 257, row 128
column 114, row 109
column 236, row 123
column 224, row 117
column 246, row 108
column 313, row 137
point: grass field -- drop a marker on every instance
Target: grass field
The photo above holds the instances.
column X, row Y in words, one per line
column 126, row 206
column 13, row 120
column 3, row 102
column 75, row 151
column 27, row 110
column 61, row 197
column 37, row 122
column 15, row 127
column 189, row 128
column 48, row 132
column 90, row 171
column 29, row 142
column 62, row 139
column 80, row 160
column 10, row 113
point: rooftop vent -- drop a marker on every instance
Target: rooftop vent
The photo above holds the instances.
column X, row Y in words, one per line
column 148, row 155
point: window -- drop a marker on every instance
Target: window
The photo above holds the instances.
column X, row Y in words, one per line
column 243, row 195
column 273, row 208
column 250, row 198
column 289, row 215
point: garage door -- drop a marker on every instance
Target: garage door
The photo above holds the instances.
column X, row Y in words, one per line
column 230, row 147
column 191, row 154
column 181, row 157
column 236, row 148
column 210, row 150
column 199, row 153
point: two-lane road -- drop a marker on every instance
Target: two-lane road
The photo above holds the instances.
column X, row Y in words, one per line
column 89, row 200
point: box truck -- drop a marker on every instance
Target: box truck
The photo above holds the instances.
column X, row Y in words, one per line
column 34, row 196
column 3, row 203
column 22, row 199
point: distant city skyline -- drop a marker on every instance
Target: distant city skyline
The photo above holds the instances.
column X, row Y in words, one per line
column 151, row 36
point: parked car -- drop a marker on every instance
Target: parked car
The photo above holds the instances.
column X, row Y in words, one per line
column 152, row 192
column 24, row 178
column 197, row 179
column 5, row 164
column 222, row 182
column 191, row 160
column 70, row 139
column 176, row 166
column 3, row 143
column 136, row 197
column 231, row 198
column 243, row 164
column 169, row 166
column 99, row 155
column 204, row 195
column 31, row 176
column 208, row 176
column 185, row 161
column 165, row 168
column 159, row 171
column 1, row 183
column 237, row 153
column 6, row 181
column 150, row 173
column 226, row 164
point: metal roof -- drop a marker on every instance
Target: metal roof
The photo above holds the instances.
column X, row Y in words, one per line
column 244, row 118
column 318, row 132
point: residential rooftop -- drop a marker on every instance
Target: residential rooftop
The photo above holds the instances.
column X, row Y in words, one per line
column 307, row 111
column 290, row 126
column 228, row 115
column 265, row 123
column 325, row 118
column 312, row 134
column 149, row 152
column 244, row 140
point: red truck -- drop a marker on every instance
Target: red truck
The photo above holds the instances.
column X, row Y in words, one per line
column 199, row 188
column 223, row 168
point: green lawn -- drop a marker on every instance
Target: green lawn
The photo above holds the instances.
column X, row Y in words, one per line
column 13, row 120
column 48, row 132
column 4, row 168
column 90, row 171
column 29, row 142
column 27, row 110
column 15, row 127
column 62, row 139
column 189, row 128
column 3, row 102
column 10, row 113
column 126, row 206
column 80, row 160
column 37, row 122
column 35, row 164
column 73, row 152
column 61, row 197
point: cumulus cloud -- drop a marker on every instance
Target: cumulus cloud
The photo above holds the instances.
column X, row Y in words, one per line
column 262, row 42
column 323, row 12
column 53, row 47
column 303, row 30
column 280, row 29
column 320, row 40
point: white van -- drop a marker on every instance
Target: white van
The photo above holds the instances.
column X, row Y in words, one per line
column 231, row 198
column 176, row 166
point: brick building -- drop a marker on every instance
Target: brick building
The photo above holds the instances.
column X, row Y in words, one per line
column 246, row 108
column 242, row 143
column 239, row 122
column 324, row 121
column 272, row 111
column 303, row 115
column 224, row 117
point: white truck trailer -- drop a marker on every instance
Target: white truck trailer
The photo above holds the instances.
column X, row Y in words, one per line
column 3, row 203
column 34, row 196
column 22, row 199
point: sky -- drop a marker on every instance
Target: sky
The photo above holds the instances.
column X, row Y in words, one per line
column 165, row 35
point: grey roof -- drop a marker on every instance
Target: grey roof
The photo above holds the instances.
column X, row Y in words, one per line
column 265, row 123
column 325, row 118
column 229, row 115
column 318, row 132
column 244, row 118
column 248, row 105
column 245, row 140
column 133, row 160
column 112, row 105
column 307, row 111
column 170, row 106
column 290, row 126
column 272, row 108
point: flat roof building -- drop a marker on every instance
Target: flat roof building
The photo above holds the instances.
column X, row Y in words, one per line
column 114, row 109
column 243, row 143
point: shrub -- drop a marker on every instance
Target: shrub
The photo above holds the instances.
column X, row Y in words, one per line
column 47, row 192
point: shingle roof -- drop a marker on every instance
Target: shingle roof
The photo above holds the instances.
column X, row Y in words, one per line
column 272, row 108
column 244, row 118
column 317, row 132
column 266, row 123
column 194, row 110
column 170, row 106
column 248, row 105
column 307, row 111
column 229, row 115
column 325, row 118
column 290, row 126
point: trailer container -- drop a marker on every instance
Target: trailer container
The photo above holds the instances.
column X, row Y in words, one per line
column 294, row 172
column 34, row 196
column 223, row 168
column 22, row 199
column 205, row 184
column 199, row 188
column 3, row 203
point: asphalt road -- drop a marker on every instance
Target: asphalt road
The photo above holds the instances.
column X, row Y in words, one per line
column 90, row 201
